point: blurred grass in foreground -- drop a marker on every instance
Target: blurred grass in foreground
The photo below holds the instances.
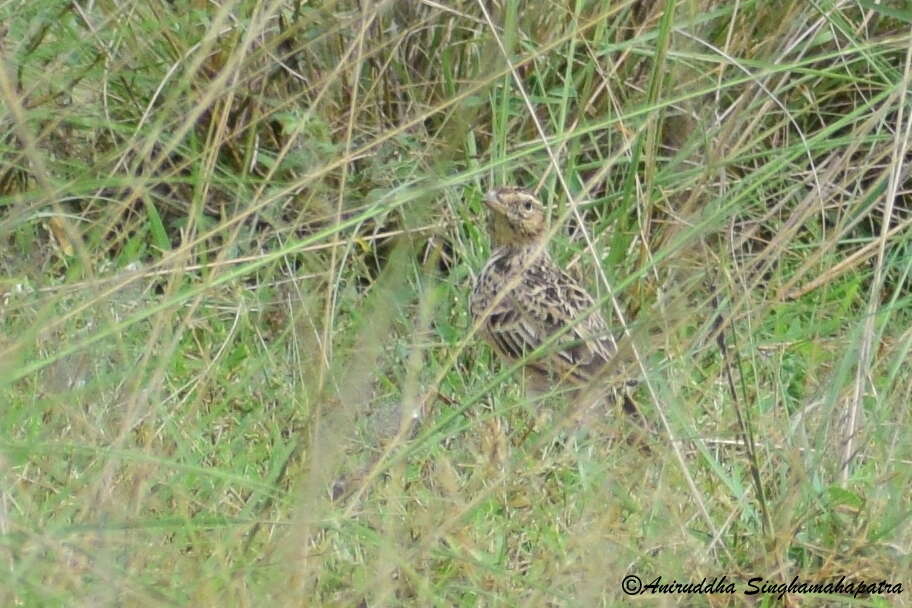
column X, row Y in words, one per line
column 236, row 243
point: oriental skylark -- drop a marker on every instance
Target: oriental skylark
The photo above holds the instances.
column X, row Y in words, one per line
column 530, row 310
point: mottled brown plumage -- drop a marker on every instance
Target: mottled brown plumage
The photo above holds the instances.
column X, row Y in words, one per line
column 523, row 299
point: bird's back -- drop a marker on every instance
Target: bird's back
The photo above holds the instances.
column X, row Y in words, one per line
column 526, row 302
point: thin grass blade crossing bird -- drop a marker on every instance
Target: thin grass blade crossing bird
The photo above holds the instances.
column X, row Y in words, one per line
column 524, row 302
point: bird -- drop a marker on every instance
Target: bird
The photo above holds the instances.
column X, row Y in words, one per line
column 529, row 310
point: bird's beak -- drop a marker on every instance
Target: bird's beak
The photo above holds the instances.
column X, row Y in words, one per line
column 491, row 200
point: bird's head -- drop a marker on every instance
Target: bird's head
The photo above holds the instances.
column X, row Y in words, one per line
column 517, row 217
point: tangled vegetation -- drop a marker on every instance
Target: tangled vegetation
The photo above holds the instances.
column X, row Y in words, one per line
column 236, row 245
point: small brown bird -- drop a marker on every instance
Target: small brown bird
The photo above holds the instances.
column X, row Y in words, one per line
column 525, row 302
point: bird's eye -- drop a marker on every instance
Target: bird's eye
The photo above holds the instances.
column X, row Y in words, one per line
column 528, row 205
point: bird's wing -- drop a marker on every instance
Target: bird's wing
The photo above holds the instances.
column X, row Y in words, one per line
column 513, row 335
column 554, row 303
column 546, row 306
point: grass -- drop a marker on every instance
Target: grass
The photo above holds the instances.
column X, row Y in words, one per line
column 236, row 245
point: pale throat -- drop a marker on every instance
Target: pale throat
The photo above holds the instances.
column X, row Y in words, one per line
column 504, row 236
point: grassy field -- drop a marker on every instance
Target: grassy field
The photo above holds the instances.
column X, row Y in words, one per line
column 236, row 245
